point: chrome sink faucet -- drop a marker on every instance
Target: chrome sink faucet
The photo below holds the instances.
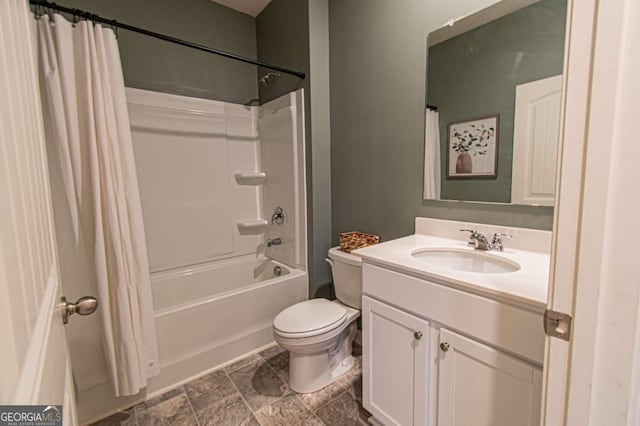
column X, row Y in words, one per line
column 477, row 240
column 480, row 242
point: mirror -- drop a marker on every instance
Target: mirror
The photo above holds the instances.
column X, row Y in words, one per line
column 494, row 81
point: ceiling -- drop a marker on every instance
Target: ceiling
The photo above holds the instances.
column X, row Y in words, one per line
column 250, row 7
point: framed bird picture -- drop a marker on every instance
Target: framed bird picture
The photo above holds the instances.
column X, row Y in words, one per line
column 472, row 150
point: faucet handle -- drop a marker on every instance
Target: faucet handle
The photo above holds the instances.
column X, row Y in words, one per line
column 278, row 216
column 499, row 236
column 473, row 237
column 496, row 243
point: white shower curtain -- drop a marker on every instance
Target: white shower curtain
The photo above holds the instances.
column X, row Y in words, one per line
column 431, row 156
column 87, row 123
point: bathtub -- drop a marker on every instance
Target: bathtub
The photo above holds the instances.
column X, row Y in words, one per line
column 208, row 315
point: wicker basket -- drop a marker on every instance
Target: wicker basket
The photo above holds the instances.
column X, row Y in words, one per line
column 355, row 240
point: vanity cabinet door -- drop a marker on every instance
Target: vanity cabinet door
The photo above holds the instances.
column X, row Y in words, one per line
column 395, row 364
column 481, row 386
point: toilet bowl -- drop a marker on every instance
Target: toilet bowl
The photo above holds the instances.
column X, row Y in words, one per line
column 319, row 333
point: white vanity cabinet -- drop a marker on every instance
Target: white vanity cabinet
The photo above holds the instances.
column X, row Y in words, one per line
column 438, row 355
column 395, row 357
column 481, row 386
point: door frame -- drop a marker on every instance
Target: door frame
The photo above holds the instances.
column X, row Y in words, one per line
column 592, row 379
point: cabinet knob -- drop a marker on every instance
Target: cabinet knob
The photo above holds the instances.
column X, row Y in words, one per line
column 417, row 335
column 444, row 346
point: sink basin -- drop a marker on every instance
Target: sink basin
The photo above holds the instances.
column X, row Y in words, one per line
column 465, row 260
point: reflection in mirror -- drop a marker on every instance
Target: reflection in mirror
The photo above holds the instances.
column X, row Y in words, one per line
column 494, row 80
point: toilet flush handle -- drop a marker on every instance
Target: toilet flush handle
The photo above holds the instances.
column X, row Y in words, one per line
column 329, row 261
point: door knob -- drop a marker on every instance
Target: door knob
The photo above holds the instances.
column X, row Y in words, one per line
column 417, row 335
column 84, row 306
column 444, row 346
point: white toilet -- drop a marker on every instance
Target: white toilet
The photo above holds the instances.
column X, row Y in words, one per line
column 319, row 333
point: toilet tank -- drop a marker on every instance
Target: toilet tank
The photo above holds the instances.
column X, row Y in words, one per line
column 347, row 276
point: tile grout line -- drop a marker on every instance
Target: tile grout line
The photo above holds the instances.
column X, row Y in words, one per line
column 344, row 389
column 311, row 411
column 242, row 396
column 260, row 359
column 329, row 401
column 266, row 361
column 286, row 394
column 195, row 415
column 273, row 370
column 228, row 376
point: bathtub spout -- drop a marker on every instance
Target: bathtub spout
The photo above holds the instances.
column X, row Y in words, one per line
column 274, row 242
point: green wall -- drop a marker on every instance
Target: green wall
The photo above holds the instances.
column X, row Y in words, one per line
column 282, row 32
column 320, row 114
column 475, row 75
column 153, row 64
column 294, row 34
column 378, row 67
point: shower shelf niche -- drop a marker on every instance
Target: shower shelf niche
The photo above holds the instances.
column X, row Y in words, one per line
column 256, row 226
column 250, row 178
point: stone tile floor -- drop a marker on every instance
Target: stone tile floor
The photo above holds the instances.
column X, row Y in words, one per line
column 252, row 391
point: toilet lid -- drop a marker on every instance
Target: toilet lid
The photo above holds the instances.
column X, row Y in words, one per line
column 308, row 316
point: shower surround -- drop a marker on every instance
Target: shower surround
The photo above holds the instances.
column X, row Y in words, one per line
column 211, row 175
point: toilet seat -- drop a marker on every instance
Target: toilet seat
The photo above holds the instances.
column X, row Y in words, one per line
column 309, row 318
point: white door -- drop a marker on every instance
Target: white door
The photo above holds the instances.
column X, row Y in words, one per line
column 535, row 141
column 34, row 361
column 593, row 378
column 395, row 364
column 481, row 386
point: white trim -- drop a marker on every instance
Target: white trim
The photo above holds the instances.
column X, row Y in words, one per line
column 575, row 97
column 300, row 184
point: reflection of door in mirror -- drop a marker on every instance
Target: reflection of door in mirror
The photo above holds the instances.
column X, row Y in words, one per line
column 475, row 67
column 535, row 134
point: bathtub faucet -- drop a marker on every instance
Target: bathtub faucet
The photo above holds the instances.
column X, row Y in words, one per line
column 274, row 242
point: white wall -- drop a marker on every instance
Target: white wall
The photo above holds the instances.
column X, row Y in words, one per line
column 187, row 152
column 282, row 159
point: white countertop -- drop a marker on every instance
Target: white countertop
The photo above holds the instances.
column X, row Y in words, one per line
column 526, row 286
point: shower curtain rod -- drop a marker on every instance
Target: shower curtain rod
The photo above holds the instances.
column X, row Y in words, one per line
column 116, row 24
